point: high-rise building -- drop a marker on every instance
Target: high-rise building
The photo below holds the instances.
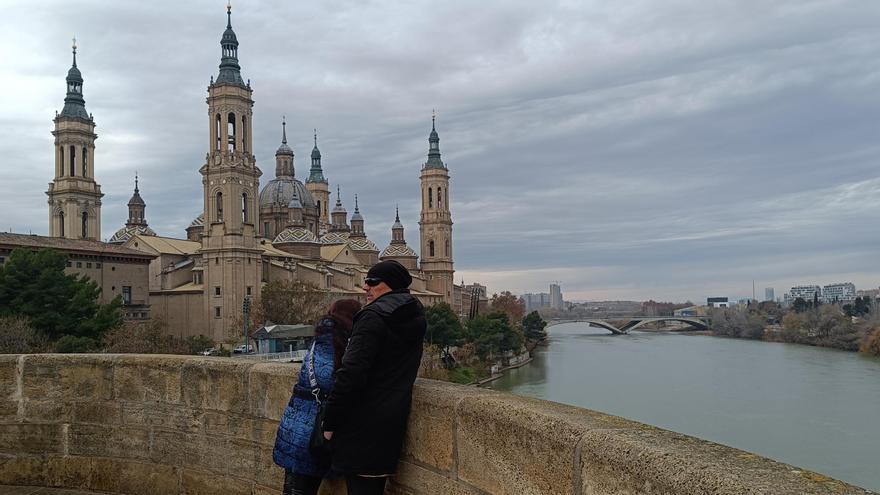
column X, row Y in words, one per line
column 840, row 292
column 556, row 296
column 768, row 294
column 536, row 301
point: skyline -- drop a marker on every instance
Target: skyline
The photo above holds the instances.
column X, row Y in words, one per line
column 631, row 151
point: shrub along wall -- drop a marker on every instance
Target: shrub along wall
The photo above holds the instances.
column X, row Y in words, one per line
column 136, row 424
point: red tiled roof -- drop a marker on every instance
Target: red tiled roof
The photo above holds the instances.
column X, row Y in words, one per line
column 69, row 245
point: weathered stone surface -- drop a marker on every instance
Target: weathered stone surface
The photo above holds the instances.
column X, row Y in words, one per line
column 8, row 376
column 67, row 376
column 123, row 476
column 68, row 472
column 194, row 482
column 271, row 386
column 215, row 384
column 8, row 410
column 164, row 416
column 649, row 460
column 413, row 479
column 430, row 435
column 22, row 470
column 46, row 410
column 27, row 438
column 143, row 378
column 108, row 441
column 97, row 412
column 205, row 452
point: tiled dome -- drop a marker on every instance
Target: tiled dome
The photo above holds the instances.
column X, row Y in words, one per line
column 295, row 234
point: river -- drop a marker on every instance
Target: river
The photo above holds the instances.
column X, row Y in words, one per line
column 811, row 407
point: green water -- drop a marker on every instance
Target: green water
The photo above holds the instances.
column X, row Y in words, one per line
column 811, row 407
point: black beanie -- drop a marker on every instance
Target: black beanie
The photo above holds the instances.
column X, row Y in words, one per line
column 392, row 273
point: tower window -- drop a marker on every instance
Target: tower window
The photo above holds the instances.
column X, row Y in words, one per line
column 85, row 224
column 217, row 131
column 431, row 248
column 447, row 247
column 85, row 159
column 430, row 198
column 266, row 229
column 219, row 204
column 244, row 207
column 244, row 134
column 439, row 196
column 230, row 132
column 61, row 223
column 61, row 148
column 72, row 161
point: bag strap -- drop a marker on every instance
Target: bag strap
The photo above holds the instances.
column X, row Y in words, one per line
column 313, row 380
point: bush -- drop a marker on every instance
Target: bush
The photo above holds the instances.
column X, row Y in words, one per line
column 18, row 337
column 151, row 337
column 871, row 344
column 70, row 344
column 462, row 375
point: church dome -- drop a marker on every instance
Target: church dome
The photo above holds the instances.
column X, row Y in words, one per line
column 398, row 250
column 126, row 233
column 334, row 238
column 199, row 221
column 279, row 192
column 295, row 234
column 362, row 244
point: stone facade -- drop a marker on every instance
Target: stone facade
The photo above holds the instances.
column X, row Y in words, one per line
column 130, row 424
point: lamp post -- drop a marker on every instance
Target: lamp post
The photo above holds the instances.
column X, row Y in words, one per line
column 246, row 310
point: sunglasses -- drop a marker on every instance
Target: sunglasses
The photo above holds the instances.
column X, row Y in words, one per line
column 372, row 281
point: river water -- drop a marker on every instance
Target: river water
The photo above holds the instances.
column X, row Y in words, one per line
column 811, row 407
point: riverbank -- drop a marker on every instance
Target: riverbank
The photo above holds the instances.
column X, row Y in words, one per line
column 500, row 373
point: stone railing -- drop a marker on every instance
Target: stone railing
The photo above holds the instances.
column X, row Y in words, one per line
column 135, row 424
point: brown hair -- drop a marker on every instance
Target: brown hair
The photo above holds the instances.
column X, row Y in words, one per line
column 342, row 313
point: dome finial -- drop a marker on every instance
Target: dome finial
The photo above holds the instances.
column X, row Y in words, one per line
column 433, row 118
column 397, row 213
column 74, row 51
column 316, row 137
column 356, row 203
column 229, row 14
column 135, row 182
column 283, row 129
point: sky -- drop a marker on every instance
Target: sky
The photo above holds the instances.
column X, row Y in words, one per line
column 628, row 150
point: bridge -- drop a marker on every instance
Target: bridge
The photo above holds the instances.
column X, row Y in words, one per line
column 634, row 322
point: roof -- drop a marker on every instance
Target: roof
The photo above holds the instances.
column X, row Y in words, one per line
column 283, row 332
column 69, row 245
column 270, row 250
column 187, row 287
column 166, row 245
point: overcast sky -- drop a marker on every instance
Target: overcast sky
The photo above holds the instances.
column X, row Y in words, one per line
column 630, row 150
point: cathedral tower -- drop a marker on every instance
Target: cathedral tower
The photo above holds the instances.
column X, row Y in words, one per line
column 74, row 196
column 435, row 223
column 317, row 185
column 231, row 181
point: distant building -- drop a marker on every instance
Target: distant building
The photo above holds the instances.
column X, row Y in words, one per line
column 840, row 292
column 690, row 311
column 556, row 301
column 805, row 292
column 717, row 302
column 769, row 294
column 536, row 301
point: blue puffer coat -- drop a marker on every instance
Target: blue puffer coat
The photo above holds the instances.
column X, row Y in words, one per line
column 292, row 440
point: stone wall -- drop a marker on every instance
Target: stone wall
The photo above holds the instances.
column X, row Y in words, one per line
column 191, row 425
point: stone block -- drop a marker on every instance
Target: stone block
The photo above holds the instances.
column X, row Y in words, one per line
column 8, row 411
column 148, row 378
column 197, row 451
column 22, row 470
column 271, row 385
column 415, row 479
column 46, row 411
column 430, row 434
column 125, row 476
column 242, row 456
column 97, row 412
column 8, row 376
column 67, row 376
column 168, row 417
column 267, row 472
column 28, row 438
column 194, row 482
column 68, row 471
column 516, row 445
column 219, row 384
column 108, row 441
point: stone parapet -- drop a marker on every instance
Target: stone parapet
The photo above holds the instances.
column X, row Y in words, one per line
column 135, row 424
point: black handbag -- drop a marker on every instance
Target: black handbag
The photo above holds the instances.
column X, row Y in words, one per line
column 319, row 446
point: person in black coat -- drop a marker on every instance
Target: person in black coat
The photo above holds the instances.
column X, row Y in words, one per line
column 366, row 413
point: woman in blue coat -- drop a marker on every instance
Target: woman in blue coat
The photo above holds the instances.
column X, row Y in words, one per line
column 302, row 471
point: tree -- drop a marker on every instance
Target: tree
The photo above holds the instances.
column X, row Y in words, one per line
column 17, row 336
column 508, row 304
column 444, row 328
column 151, row 337
column 799, row 305
column 290, row 302
column 33, row 285
column 493, row 334
column 533, row 327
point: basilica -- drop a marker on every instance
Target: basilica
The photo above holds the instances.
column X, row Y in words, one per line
column 246, row 235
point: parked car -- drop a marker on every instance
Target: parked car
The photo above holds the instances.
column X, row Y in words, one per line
column 243, row 349
column 210, row 352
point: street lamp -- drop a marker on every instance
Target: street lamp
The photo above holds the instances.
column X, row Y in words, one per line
column 246, row 310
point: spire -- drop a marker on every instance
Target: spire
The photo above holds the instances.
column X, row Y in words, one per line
column 136, row 207
column 284, row 154
column 356, row 216
column 397, row 236
column 434, row 160
column 230, row 71
column 283, row 130
column 136, row 191
column 316, row 174
column 74, row 104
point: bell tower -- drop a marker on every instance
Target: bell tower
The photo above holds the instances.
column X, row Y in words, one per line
column 231, row 181
column 74, row 196
column 317, row 185
column 435, row 222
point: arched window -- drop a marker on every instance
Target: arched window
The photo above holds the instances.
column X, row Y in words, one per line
column 218, row 202
column 430, row 198
column 244, row 134
column 218, row 131
column 439, row 197
column 85, row 166
column 61, row 223
column 244, row 207
column 319, row 207
column 230, row 132
column 85, row 225
column 431, row 248
column 72, row 161
column 447, row 247
column 61, row 148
